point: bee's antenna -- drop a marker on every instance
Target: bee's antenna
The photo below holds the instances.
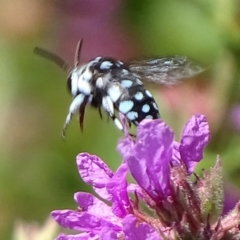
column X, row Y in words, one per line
column 78, row 53
column 52, row 57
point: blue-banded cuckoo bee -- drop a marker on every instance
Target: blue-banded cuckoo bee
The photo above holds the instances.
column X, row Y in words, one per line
column 112, row 85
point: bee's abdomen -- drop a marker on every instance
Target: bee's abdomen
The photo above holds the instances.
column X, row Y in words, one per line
column 137, row 104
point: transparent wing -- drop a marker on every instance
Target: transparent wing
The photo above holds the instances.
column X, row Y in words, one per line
column 165, row 70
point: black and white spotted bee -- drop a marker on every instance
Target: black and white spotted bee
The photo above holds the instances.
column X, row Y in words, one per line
column 110, row 84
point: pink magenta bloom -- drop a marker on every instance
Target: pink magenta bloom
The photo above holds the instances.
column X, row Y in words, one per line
column 154, row 150
column 95, row 218
column 172, row 206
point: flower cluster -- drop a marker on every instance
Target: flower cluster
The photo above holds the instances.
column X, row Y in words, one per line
column 163, row 203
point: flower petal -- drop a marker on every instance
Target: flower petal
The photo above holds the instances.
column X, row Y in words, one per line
column 125, row 147
column 117, row 187
column 194, row 138
column 149, row 157
column 138, row 231
column 81, row 221
column 81, row 236
column 95, row 172
column 176, row 157
column 88, row 203
column 108, row 234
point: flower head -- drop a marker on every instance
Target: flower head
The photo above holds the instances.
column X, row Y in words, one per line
column 163, row 203
column 149, row 156
column 95, row 218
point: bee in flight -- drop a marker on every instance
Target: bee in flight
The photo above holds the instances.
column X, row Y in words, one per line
column 112, row 85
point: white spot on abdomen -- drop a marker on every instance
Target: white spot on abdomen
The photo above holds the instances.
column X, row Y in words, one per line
column 138, row 96
column 145, row 108
column 132, row 115
column 148, row 93
column 149, row 117
column 125, row 106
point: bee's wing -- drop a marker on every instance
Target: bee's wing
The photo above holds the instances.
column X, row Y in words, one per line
column 165, row 70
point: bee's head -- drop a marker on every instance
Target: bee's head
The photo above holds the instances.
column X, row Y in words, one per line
column 73, row 78
column 79, row 79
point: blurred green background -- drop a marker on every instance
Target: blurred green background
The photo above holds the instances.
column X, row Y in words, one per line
column 37, row 168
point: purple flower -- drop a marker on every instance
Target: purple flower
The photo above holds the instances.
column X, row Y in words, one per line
column 172, row 205
column 194, row 138
column 154, row 150
column 143, row 231
column 98, row 219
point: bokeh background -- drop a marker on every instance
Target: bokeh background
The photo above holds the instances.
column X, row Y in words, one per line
column 37, row 168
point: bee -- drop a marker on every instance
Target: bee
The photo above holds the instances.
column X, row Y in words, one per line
column 112, row 85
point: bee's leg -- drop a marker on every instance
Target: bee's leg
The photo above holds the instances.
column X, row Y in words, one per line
column 108, row 106
column 81, row 112
column 132, row 135
column 75, row 105
column 100, row 113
